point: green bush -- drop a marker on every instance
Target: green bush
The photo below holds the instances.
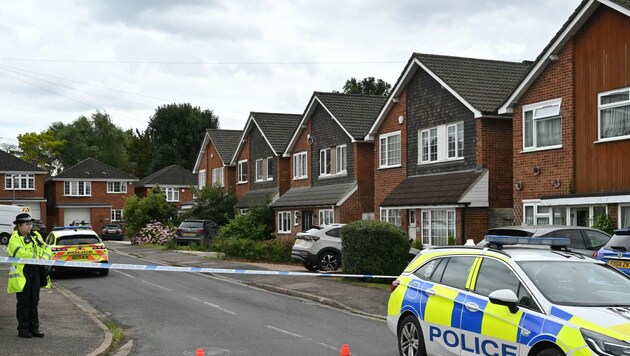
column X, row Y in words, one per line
column 140, row 212
column 212, row 203
column 374, row 247
column 276, row 250
column 605, row 223
column 451, row 240
column 257, row 224
column 417, row 244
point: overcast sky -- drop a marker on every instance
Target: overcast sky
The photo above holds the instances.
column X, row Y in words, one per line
column 66, row 58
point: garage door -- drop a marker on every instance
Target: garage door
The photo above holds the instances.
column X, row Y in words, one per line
column 75, row 215
column 34, row 210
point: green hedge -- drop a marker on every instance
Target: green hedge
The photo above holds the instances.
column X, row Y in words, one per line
column 276, row 250
column 374, row 247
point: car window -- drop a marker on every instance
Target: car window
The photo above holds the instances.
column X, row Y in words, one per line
column 457, row 270
column 191, row 225
column 431, row 268
column 78, row 240
column 597, row 239
column 494, row 275
column 617, row 241
column 334, row 232
column 577, row 240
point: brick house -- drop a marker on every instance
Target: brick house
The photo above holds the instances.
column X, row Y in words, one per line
column 214, row 161
column 331, row 165
column 442, row 153
column 90, row 191
column 571, row 121
column 176, row 182
column 261, row 171
column 23, row 184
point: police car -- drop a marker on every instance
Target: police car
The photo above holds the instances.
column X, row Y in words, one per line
column 507, row 299
column 78, row 244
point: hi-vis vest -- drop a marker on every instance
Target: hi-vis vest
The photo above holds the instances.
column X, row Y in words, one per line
column 18, row 248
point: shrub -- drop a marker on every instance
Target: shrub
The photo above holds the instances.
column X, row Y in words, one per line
column 139, row 212
column 155, row 233
column 417, row 244
column 374, row 247
column 451, row 240
column 212, row 203
column 257, row 224
column 605, row 223
column 276, row 250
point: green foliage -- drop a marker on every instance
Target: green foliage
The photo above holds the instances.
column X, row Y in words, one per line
column 605, row 223
column 140, row 150
column 257, row 224
column 139, row 212
column 276, row 250
column 417, row 244
column 374, row 247
column 42, row 148
column 212, row 203
column 177, row 131
column 368, row 85
column 451, row 240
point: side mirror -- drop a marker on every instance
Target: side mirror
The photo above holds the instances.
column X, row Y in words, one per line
column 505, row 297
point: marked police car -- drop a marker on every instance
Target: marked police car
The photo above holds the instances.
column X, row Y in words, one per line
column 510, row 300
column 78, row 244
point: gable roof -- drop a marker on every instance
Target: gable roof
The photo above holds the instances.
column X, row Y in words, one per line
column 480, row 84
column 581, row 14
column 355, row 113
column 276, row 129
column 10, row 163
column 225, row 142
column 169, row 175
column 94, row 170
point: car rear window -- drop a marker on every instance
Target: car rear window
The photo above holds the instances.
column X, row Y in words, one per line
column 617, row 241
column 509, row 232
column 78, row 240
column 191, row 225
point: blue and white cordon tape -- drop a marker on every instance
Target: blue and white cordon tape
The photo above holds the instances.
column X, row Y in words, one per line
column 125, row 266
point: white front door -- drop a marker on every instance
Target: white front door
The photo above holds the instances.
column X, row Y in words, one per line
column 412, row 225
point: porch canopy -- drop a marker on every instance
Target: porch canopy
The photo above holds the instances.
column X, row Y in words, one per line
column 312, row 196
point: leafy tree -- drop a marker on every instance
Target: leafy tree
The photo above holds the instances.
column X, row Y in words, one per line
column 139, row 212
column 42, row 148
column 177, row 131
column 212, row 203
column 140, row 150
column 368, row 85
column 257, row 224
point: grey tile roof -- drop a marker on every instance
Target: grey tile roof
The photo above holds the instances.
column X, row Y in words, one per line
column 226, row 142
column 9, row 163
column 624, row 3
column 255, row 197
column 484, row 84
column 277, row 127
column 355, row 112
column 326, row 195
column 170, row 175
column 435, row 189
column 93, row 169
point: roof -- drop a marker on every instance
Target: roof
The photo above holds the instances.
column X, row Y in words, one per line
column 355, row 113
column 10, row 163
column 224, row 141
column 256, row 197
column 533, row 230
column 93, row 169
column 482, row 85
column 570, row 27
column 170, row 175
column 434, row 189
column 326, row 195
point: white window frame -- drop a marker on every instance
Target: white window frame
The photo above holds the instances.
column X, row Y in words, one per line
column 341, row 159
column 619, row 104
column 217, row 176
column 391, row 215
column 389, row 158
column 621, row 219
column 536, row 119
column 434, row 143
column 242, row 177
column 259, row 170
column 269, row 168
column 325, row 164
column 300, row 165
column 458, row 136
column 77, row 188
column 326, row 216
column 431, row 151
column 201, row 178
column 428, row 233
column 284, row 222
column 116, row 187
column 22, row 181
column 172, row 195
column 116, row 215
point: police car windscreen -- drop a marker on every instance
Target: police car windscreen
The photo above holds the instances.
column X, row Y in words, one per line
column 78, row 240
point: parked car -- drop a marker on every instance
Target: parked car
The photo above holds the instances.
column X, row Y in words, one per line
column 319, row 248
column 77, row 244
column 196, row 231
column 617, row 251
column 584, row 240
column 112, row 232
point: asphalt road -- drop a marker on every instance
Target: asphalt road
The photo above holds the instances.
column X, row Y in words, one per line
column 170, row 313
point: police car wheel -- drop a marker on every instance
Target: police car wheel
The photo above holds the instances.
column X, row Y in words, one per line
column 410, row 339
column 4, row 239
column 103, row 272
column 550, row 352
column 329, row 261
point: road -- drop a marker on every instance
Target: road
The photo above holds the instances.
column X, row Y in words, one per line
column 171, row 313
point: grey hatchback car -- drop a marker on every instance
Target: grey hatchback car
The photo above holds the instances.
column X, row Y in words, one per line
column 196, row 231
column 584, row 240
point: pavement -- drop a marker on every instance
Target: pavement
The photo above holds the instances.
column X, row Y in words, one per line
column 72, row 326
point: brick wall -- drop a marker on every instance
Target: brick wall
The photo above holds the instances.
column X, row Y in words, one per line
column 364, row 175
column 242, row 188
column 301, row 145
column 494, row 152
column 7, row 195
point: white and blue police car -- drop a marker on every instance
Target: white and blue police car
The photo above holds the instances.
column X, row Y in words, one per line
column 515, row 296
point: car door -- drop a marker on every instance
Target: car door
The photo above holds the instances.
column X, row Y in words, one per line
column 595, row 239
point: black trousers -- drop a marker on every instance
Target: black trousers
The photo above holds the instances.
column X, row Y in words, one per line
column 28, row 299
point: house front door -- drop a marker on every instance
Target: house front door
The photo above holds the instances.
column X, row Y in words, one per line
column 412, row 225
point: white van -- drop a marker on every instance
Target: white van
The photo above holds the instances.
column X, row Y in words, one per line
column 7, row 217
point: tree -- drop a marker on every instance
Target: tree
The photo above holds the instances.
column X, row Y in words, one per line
column 368, row 85
column 43, row 148
column 140, row 148
column 139, row 212
column 177, row 131
column 212, row 203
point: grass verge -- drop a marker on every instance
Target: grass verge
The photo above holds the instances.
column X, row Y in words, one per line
column 117, row 334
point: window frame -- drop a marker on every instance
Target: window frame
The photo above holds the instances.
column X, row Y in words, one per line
column 116, row 214
column 325, row 162
column 537, row 119
column 300, row 162
column 242, row 171
column 458, row 140
column 326, row 216
column 386, row 215
column 386, row 158
column 601, row 107
column 24, row 181
column 218, row 176
column 428, row 237
column 284, row 217
column 121, row 185
column 171, row 194
column 341, row 159
column 269, row 165
column 75, row 185
column 201, row 178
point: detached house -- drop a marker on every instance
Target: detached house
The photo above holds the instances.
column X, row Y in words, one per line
column 23, row 184
column 331, row 164
column 176, row 182
column 261, row 171
column 214, row 161
column 442, row 153
column 572, row 122
column 90, row 191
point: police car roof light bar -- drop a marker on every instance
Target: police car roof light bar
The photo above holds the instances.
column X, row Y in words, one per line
column 84, row 227
column 524, row 240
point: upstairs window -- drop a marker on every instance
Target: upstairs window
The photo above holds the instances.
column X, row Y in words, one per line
column 333, row 160
column 324, row 162
column 429, row 145
column 455, row 135
column 542, row 125
column 77, row 189
column 202, row 178
column 217, row 176
column 441, row 143
column 19, row 181
column 389, row 148
column 614, row 114
column 242, row 171
column 116, row 187
column 341, row 159
column 264, row 169
column 300, row 162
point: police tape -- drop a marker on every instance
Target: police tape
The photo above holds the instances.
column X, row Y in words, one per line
column 135, row 267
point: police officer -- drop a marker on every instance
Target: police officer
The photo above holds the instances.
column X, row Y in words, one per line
column 24, row 280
